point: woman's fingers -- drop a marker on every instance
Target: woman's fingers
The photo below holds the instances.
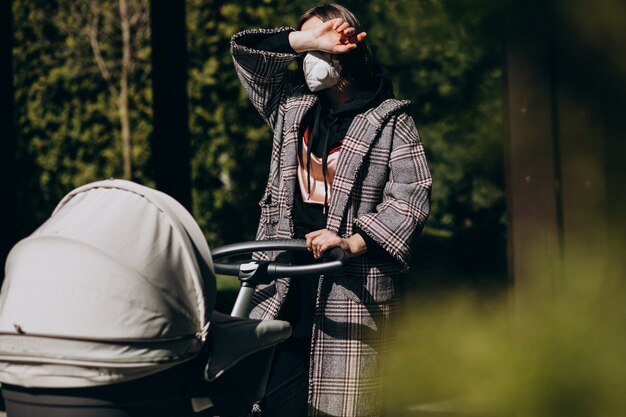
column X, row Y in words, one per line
column 310, row 236
column 318, row 244
column 342, row 49
column 331, row 242
column 320, row 241
column 314, row 239
column 343, row 27
column 337, row 36
column 335, row 23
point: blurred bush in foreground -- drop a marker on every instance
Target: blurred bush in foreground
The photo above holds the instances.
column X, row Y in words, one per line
column 544, row 356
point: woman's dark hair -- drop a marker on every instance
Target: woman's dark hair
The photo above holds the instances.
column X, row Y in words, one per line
column 357, row 65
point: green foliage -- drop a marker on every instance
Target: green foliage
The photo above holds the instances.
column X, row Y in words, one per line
column 440, row 58
column 230, row 143
column 442, row 61
column 67, row 121
column 547, row 356
column 441, row 54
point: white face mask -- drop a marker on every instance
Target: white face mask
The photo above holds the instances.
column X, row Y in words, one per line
column 320, row 73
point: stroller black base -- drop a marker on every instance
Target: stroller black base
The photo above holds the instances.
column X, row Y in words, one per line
column 165, row 394
column 160, row 395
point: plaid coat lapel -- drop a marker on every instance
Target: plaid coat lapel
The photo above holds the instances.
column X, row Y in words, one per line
column 296, row 107
column 363, row 131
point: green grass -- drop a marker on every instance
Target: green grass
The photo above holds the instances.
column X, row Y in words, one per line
column 227, row 283
column 227, row 289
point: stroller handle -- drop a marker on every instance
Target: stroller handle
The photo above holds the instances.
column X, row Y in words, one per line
column 274, row 269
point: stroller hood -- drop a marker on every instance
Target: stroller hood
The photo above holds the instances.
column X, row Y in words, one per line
column 118, row 283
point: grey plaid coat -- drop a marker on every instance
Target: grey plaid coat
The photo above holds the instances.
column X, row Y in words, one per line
column 382, row 185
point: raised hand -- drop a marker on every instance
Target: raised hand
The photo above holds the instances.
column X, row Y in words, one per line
column 334, row 36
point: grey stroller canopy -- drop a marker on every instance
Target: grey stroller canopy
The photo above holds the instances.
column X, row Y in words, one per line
column 117, row 284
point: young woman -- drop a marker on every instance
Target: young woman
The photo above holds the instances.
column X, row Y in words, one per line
column 347, row 169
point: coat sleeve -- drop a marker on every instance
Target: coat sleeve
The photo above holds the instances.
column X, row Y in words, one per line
column 264, row 74
column 401, row 214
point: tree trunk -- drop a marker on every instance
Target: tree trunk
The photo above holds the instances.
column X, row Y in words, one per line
column 170, row 144
column 123, row 97
column 8, row 190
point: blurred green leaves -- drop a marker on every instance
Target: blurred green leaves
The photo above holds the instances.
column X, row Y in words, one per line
column 545, row 356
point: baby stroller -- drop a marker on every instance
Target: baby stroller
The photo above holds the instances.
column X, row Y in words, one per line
column 107, row 311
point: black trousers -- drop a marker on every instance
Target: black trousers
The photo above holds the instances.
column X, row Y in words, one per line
column 288, row 386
